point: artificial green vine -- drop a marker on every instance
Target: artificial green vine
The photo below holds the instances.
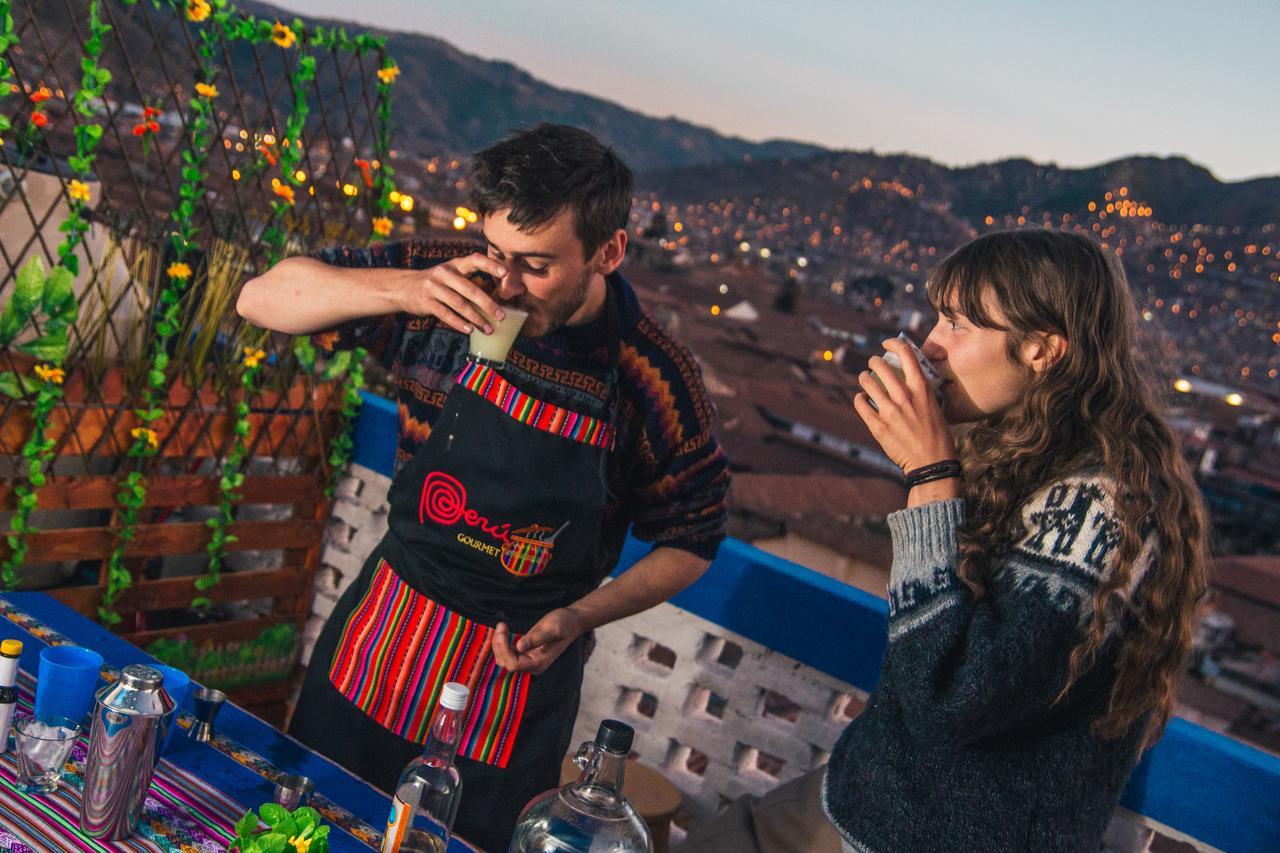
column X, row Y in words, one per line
column 93, row 85
column 352, row 362
column 348, row 365
column 133, row 491
column 327, row 38
column 290, row 148
column 382, row 138
column 52, row 295
column 284, row 36
column 231, row 480
column 8, row 39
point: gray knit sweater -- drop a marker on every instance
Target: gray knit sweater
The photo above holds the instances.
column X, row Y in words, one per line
column 960, row 746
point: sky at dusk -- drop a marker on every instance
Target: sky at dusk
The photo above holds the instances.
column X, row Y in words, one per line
column 1073, row 83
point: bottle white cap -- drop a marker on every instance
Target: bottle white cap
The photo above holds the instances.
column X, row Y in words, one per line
column 454, row 696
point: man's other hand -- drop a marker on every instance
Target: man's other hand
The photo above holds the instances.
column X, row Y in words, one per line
column 539, row 648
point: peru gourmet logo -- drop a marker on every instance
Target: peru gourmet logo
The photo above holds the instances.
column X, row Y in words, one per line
column 525, row 552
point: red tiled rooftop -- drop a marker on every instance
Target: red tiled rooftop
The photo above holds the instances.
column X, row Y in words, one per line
column 794, row 496
column 1257, row 577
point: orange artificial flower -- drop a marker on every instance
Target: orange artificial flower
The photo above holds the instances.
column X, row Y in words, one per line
column 198, row 10
column 78, row 190
column 389, row 74
column 49, row 373
column 39, row 119
column 284, row 191
column 207, row 90
column 363, row 166
column 147, row 124
column 382, row 226
column 178, row 270
column 266, row 150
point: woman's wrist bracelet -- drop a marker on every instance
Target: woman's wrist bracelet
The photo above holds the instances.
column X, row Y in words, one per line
column 943, row 470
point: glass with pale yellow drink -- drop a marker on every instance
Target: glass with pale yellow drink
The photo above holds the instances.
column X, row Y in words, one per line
column 493, row 348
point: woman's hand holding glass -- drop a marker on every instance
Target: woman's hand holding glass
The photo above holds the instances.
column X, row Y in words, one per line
column 906, row 419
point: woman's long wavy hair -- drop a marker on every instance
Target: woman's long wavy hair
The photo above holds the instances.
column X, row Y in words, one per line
column 1092, row 406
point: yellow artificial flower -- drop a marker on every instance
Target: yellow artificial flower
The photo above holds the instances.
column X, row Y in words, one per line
column 253, row 357
column 149, row 434
column 207, row 90
column 48, row 373
column 389, row 74
column 284, row 191
column 300, row 844
column 178, row 270
column 198, row 10
column 283, row 36
column 78, row 190
column 382, row 226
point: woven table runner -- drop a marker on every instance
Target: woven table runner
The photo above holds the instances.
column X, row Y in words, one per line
column 182, row 814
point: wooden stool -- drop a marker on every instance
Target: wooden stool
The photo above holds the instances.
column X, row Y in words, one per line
column 650, row 793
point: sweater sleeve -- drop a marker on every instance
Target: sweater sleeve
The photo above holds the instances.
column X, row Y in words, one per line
column 381, row 335
column 966, row 669
column 681, row 477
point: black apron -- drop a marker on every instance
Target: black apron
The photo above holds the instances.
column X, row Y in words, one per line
column 495, row 518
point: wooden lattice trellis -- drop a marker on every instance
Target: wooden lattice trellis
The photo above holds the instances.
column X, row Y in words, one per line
column 337, row 184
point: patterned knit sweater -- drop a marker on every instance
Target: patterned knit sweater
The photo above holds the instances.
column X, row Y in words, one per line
column 961, row 746
column 667, row 476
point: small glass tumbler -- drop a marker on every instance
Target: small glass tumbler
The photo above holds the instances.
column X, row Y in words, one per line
column 43, row 744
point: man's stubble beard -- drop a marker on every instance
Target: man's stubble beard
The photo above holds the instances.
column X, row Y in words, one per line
column 550, row 317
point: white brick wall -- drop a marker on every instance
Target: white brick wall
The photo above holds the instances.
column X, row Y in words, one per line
column 358, row 521
column 709, row 730
column 718, row 714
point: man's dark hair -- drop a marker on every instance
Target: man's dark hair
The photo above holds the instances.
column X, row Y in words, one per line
column 536, row 173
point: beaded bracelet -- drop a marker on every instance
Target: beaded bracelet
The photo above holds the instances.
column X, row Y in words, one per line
column 937, row 471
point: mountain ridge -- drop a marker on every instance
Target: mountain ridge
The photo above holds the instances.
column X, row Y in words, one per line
column 453, row 102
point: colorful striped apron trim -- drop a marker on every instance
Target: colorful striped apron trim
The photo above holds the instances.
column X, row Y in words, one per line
column 397, row 651
column 486, row 382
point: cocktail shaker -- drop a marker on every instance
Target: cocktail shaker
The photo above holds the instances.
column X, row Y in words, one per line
column 123, row 744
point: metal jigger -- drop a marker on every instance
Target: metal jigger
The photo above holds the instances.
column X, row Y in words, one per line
column 208, row 703
column 293, row 791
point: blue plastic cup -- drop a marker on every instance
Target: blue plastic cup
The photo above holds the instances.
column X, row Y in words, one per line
column 177, row 684
column 66, row 680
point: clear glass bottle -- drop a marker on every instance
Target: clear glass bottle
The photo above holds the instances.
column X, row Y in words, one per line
column 10, row 650
column 427, row 795
column 590, row 815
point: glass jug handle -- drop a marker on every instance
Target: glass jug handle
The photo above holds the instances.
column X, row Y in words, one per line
column 584, row 755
